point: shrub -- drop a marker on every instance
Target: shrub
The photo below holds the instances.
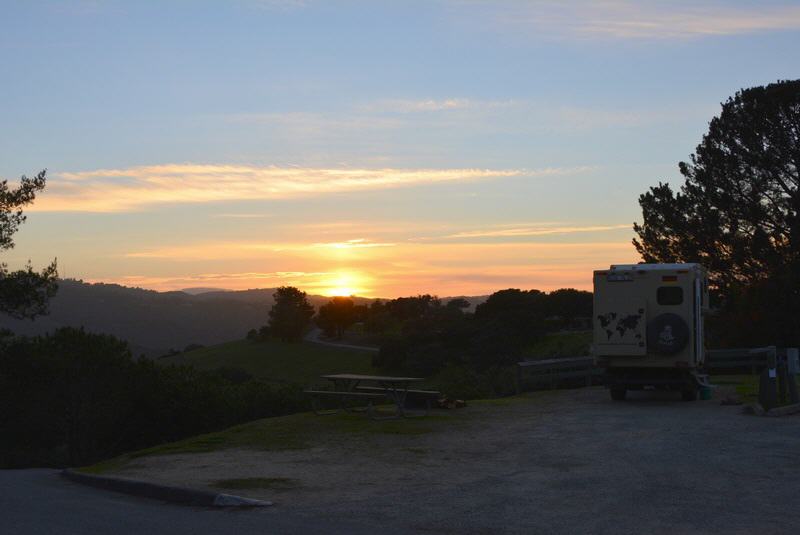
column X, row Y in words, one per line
column 75, row 398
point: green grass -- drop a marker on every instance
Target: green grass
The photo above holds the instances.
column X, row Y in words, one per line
column 293, row 432
column 746, row 385
column 568, row 344
column 248, row 483
column 507, row 400
column 278, row 362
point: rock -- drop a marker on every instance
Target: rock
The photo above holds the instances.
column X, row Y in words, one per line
column 732, row 399
column 753, row 408
column 785, row 410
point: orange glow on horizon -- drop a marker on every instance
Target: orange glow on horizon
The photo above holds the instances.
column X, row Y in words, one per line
column 346, row 284
column 401, row 268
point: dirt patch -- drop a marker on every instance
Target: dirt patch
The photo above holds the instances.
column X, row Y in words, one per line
column 566, row 461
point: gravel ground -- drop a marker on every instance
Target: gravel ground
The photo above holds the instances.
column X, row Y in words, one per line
column 556, row 462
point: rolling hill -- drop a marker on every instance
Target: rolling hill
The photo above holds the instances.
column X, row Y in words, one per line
column 154, row 322
column 278, row 362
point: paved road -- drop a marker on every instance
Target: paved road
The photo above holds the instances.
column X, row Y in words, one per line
column 315, row 333
column 40, row 502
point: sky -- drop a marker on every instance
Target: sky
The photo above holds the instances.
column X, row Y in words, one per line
column 378, row 148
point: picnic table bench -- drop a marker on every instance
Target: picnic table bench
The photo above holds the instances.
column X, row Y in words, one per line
column 413, row 397
column 348, row 386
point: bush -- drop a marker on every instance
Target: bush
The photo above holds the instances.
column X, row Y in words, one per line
column 74, row 398
column 233, row 374
column 461, row 382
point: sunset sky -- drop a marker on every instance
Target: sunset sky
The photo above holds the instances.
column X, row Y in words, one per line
column 379, row 148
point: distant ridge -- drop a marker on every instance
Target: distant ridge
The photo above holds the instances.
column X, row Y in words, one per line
column 155, row 322
column 201, row 290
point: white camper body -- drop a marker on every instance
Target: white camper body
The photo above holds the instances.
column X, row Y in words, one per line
column 648, row 326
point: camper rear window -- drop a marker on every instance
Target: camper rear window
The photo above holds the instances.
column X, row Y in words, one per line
column 669, row 295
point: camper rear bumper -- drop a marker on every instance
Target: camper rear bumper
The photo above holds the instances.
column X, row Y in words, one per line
column 658, row 378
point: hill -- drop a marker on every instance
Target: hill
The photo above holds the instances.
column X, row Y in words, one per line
column 152, row 322
column 155, row 322
column 278, row 362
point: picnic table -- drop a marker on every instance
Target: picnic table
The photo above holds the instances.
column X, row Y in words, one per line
column 349, row 386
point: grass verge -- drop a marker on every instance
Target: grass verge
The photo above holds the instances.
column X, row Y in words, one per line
column 746, row 385
column 293, row 432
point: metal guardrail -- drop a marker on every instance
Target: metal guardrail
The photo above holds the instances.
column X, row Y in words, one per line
column 743, row 358
column 551, row 372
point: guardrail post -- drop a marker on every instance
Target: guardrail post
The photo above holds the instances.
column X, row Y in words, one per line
column 793, row 360
column 793, row 368
column 767, row 390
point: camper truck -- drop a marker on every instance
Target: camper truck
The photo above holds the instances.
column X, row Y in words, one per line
column 648, row 327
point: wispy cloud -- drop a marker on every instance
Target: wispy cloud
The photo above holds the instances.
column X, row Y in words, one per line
column 243, row 216
column 413, row 106
column 450, row 268
column 430, row 105
column 239, row 249
column 629, row 19
column 135, row 188
column 541, row 230
column 313, row 123
column 359, row 243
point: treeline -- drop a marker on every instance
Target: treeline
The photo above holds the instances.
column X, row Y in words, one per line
column 423, row 335
column 74, row 398
column 523, row 314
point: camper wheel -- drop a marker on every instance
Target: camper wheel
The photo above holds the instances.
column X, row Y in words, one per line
column 618, row 393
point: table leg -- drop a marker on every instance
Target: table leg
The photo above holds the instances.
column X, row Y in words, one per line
column 401, row 395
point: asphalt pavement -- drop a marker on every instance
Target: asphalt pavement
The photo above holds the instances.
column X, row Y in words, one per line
column 41, row 502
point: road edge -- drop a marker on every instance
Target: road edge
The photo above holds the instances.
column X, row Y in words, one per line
column 179, row 495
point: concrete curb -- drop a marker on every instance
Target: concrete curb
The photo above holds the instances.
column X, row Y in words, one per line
column 785, row 410
column 165, row 493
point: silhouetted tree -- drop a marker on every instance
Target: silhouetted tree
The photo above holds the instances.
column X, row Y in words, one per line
column 738, row 210
column 290, row 315
column 458, row 303
column 336, row 316
column 522, row 311
column 405, row 308
column 73, row 398
column 568, row 304
column 23, row 293
column 433, row 336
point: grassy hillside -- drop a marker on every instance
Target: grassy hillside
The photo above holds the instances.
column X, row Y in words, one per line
column 567, row 344
column 279, row 362
column 307, row 430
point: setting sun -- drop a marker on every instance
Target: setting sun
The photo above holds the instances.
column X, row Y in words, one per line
column 345, row 285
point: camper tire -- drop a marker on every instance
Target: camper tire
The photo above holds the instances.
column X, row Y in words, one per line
column 618, row 393
column 689, row 394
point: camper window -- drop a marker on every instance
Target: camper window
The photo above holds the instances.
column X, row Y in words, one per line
column 669, row 295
